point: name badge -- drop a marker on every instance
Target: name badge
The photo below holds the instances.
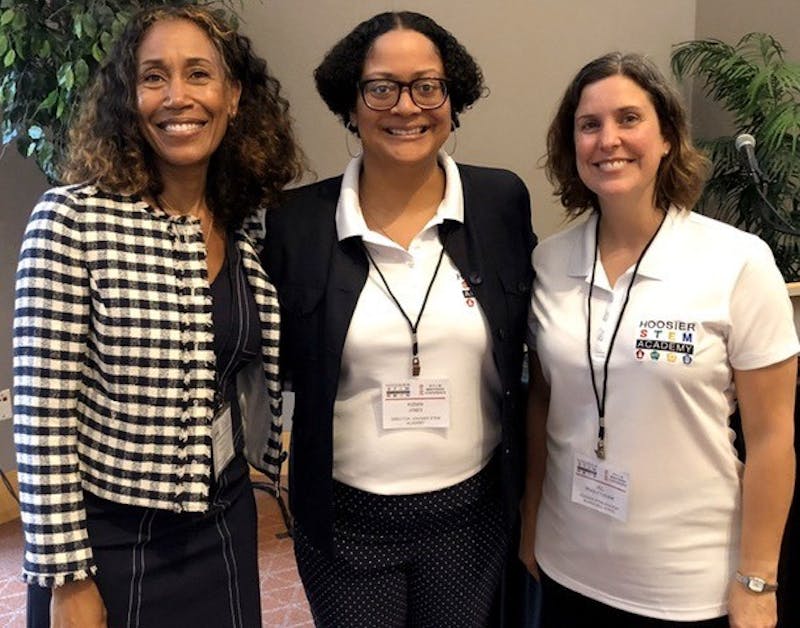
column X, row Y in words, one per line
column 222, row 439
column 600, row 487
column 416, row 404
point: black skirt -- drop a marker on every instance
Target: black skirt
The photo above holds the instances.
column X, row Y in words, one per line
column 156, row 568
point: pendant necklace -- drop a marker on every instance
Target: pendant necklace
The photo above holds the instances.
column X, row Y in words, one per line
column 205, row 233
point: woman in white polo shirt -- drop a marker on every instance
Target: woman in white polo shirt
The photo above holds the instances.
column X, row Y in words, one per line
column 404, row 287
column 648, row 324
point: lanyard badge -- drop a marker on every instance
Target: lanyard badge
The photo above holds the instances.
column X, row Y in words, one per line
column 600, row 450
column 415, row 403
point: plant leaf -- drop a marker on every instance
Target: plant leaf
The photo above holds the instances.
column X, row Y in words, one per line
column 106, row 40
column 89, row 25
column 19, row 22
column 66, row 76
column 7, row 16
column 51, row 99
column 81, row 72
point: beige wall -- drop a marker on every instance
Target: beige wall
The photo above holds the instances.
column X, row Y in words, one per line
column 528, row 50
column 729, row 20
column 21, row 182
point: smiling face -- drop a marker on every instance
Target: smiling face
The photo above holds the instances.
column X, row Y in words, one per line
column 404, row 134
column 184, row 96
column 618, row 141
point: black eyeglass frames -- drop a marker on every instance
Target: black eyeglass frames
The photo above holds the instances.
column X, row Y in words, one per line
column 383, row 94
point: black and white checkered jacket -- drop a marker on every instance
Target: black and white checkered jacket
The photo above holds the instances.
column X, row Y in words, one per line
column 114, row 367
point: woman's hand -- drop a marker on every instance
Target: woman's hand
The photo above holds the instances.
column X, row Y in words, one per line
column 766, row 399
column 77, row 605
column 527, row 539
column 536, row 424
column 751, row 610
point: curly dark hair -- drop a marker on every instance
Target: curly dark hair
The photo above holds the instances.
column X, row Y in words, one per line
column 257, row 157
column 682, row 171
column 338, row 75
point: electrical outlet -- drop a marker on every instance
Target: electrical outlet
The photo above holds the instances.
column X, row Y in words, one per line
column 5, row 404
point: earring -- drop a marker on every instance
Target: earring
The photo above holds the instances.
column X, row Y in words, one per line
column 454, row 134
column 351, row 130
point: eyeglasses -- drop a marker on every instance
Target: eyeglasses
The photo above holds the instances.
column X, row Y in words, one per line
column 383, row 94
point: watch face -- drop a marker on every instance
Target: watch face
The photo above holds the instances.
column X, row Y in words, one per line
column 756, row 584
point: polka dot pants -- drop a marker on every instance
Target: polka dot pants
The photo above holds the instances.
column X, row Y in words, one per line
column 424, row 560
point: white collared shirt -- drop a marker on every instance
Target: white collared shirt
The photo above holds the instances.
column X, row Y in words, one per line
column 454, row 344
column 707, row 299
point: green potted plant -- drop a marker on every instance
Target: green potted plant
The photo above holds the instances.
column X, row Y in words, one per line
column 760, row 88
column 48, row 51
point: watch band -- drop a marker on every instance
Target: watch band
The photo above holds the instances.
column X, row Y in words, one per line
column 754, row 584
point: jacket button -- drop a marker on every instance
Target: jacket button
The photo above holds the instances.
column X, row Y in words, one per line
column 501, row 333
column 475, row 278
column 522, row 286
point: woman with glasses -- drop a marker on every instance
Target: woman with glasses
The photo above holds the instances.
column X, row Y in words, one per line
column 403, row 286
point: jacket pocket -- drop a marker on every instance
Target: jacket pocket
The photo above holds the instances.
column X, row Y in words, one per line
column 517, row 290
column 301, row 326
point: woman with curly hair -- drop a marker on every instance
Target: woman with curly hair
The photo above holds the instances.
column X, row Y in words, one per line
column 649, row 324
column 402, row 335
column 146, row 333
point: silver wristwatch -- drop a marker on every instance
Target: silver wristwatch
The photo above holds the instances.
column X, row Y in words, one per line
column 756, row 584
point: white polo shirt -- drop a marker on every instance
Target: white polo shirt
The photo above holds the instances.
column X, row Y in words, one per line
column 454, row 344
column 708, row 298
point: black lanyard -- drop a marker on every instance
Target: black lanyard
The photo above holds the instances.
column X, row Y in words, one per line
column 415, row 367
column 601, row 401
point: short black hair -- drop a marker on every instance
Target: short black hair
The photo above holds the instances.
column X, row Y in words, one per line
column 338, row 75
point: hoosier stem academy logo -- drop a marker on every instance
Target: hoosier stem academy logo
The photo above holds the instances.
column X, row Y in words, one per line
column 668, row 340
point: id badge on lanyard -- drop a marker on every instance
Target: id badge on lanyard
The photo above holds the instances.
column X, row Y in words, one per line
column 416, row 404
column 222, row 448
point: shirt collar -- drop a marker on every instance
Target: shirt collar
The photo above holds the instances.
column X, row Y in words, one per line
column 657, row 263
column 350, row 219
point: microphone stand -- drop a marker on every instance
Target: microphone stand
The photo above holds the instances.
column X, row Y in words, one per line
column 770, row 216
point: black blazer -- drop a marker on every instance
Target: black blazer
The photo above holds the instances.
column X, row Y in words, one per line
column 319, row 280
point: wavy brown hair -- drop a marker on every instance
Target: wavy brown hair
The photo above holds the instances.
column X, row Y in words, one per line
column 682, row 171
column 257, row 157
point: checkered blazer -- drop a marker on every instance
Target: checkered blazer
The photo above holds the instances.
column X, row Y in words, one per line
column 114, row 367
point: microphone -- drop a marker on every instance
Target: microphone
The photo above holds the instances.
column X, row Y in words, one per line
column 746, row 143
